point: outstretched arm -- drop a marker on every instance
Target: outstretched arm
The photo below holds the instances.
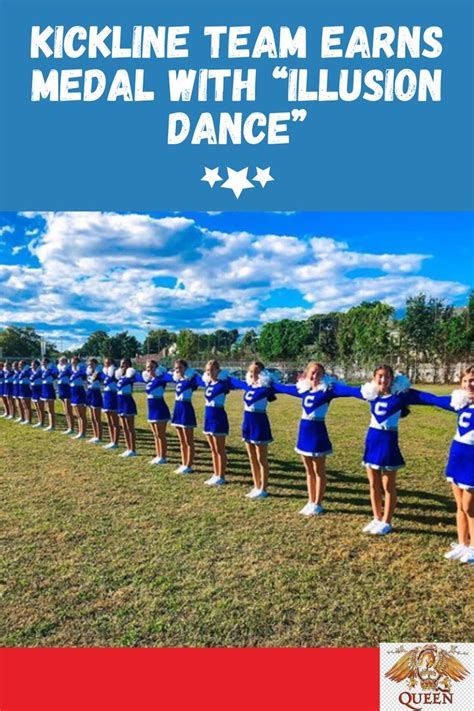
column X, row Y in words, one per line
column 343, row 390
column 286, row 389
column 418, row 397
column 237, row 384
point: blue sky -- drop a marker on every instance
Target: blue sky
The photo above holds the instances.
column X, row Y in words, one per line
column 70, row 273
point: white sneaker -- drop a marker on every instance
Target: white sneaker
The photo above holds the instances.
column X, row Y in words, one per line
column 38, row 424
column 186, row 470
column 19, row 419
column 78, row 436
column 50, row 429
column 111, row 445
column 159, row 460
column 215, row 481
column 9, row 417
column 457, row 551
column 468, row 556
column 178, row 470
column 311, row 509
column 68, row 432
column 381, row 529
column 368, row 529
column 25, row 422
column 94, row 440
column 252, row 493
column 129, row 453
column 260, row 494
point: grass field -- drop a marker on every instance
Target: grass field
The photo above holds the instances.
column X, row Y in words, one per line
column 101, row 551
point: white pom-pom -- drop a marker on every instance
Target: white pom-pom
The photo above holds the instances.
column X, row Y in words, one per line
column 130, row 372
column 264, row 379
column 118, row 373
column 147, row 377
column 304, row 385
column 207, row 378
column 370, row 390
column 89, row 370
column 459, row 399
column 110, row 371
column 401, row 384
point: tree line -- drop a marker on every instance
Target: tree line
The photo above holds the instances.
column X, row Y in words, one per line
column 428, row 330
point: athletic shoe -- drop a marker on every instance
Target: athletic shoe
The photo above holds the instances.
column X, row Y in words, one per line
column 178, row 470
column 94, row 440
column 252, row 493
column 457, row 551
column 468, row 556
column 260, row 494
column 68, row 432
column 368, row 529
column 381, row 529
column 19, row 419
column 186, row 470
column 38, row 424
column 4, row 414
column 9, row 417
column 25, row 422
column 215, row 481
column 129, row 453
column 111, row 445
column 50, row 429
column 311, row 509
column 159, row 460
column 78, row 436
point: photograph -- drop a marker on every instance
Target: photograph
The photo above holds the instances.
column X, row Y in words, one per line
column 236, row 429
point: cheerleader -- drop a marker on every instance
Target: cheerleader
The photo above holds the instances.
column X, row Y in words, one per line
column 216, row 424
column 77, row 381
column 24, row 392
column 460, row 466
column 64, row 393
column 156, row 379
column 184, row 417
column 48, row 394
column 127, row 408
column 16, row 391
column 36, row 377
column 3, row 397
column 109, row 405
column 313, row 444
column 256, row 432
column 8, row 388
column 94, row 399
column 388, row 397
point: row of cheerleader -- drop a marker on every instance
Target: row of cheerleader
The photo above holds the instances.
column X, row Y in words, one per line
column 105, row 387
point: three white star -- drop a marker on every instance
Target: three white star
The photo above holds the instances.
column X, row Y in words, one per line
column 263, row 176
column 237, row 181
column 211, row 176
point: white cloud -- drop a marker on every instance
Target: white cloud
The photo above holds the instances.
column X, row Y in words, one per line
column 6, row 229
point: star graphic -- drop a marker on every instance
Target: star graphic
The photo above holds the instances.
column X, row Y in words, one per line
column 211, row 176
column 263, row 176
column 237, row 181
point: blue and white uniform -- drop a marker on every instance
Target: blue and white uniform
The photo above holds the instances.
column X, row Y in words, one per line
column 77, row 380
column 36, row 377
column 381, row 443
column 8, row 387
column 109, row 396
column 64, row 381
column 2, row 382
column 125, row 402
column 24, row 388
column 48, row 376
column 256, row 425
column 216, row 422
column 16, row 383
column 313, row 439
column 460, row 466
column 183, row 411
column 93, row 392
column 157, row 409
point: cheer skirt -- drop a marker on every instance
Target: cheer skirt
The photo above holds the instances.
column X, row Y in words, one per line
column 16, row 389
column 256, row 428
column 382, row 450
column 126, row 406
column 158, row 410
column 8, row 389
column 216, row 421
column 78, row 396
column 48, row 392
column 24, row 390
column 313, row 439
column 460, row 466
column 2, row 388
column 183, row 415
column 94, row 398
column 64, row 391
column 109, row 400
column 36, row 393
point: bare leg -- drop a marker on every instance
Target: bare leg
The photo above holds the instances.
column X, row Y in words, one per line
column 320, row 463
column 189, row 439
column 254, row 465
column 461, row 517
column 12, row 404
column 212, row 444
column 51, row 412
column 182, row 445
column 389, row 483
column 5, row 404
column 221, row 456
column 310, row 477
column 375, row 484
column 129, row 429
column 27, row 409
column 468, row 508
column 67, row 409
column 162, row 439
column 81, row 419
column 21, row 408
column 262, row 456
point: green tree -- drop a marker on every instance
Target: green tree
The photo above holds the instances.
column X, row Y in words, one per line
column 324, row 329
column 97, row 344
column 157, row 339
column 188, row 344
column 422, row 327
column 283, row 340
column 19, row 341
column 123, row 345
column 364, row 333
